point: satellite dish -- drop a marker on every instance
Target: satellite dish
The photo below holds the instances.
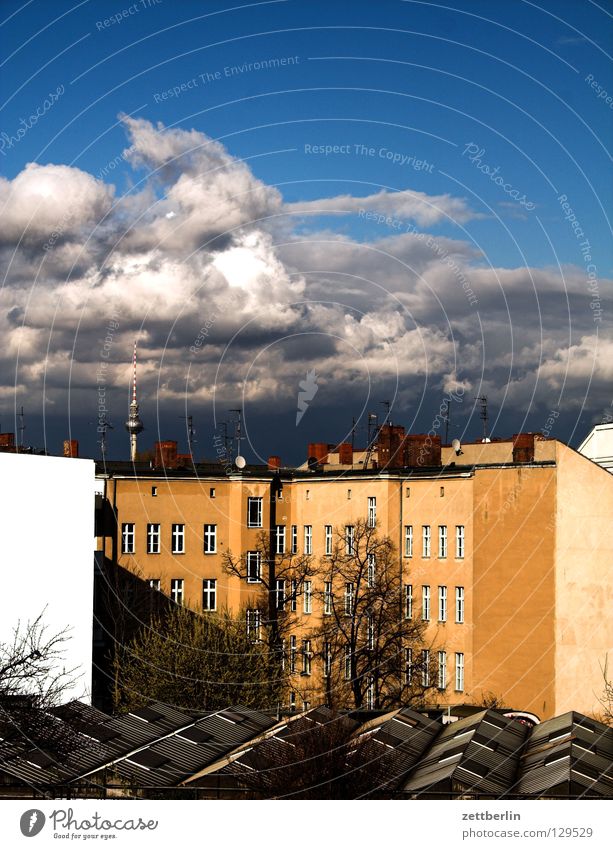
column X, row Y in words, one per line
column 457, row 447
column 240, row 462
column 486, row 439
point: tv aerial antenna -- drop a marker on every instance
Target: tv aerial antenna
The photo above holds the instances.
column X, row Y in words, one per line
column 483, row 415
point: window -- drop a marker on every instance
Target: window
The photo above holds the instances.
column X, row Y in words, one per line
column 370, row 694
column 349, row 539
column 408, row 666
column 328, row 533
column 153, row 539
column 347, row 663
column 442, row 492
column 209, row 594
column 210, row 539
column 327, row 597
column 307, row 597
column 178, row 539
column 327, row 659
column 442, row 670
column 254, row 567
column 212, row 492
column 294, row 549
column 292, row 702
column 442, row 541
column 155, row 584
column 308, row 539
column 408, row 601
column 425, row 603
column 254, row 512
column 442, row 604
column 280, row 594
column 306, row 705
column 407, row 492
column 254, row 621
column 459, row 541
column 308, row 495
column 370, row 631
column 294, row 599
column 459, row 604
column 154, row 491
column 283, row 654
column 425, row 540
column 307, row 656
column 348, row 599
column 176, row 590
column 280, row 539
column 425, row 667
column 372, row 512
column 349, row 495
column 459, row 671
column 408, row 540
column 292, row 654
column 371, row 571
column 127, row 538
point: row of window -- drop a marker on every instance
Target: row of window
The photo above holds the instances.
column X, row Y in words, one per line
column 154, row 537
column 441, row 669
column 442, row 603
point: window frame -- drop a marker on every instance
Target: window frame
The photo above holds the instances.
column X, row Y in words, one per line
column 307, row 597
column 442, row 542
column 308, row 539
column 177, row 537
column 209, row 590
column 256, row 501
column 154, row 538
column 328, row 598
column 177, row 590
column 441, row 681
column 408, row 601
column 128, row 538
column 459, row 672
column 258, row 569
column 460, row 541
column 425, row 603
column 207, row 536
column 442, row 603
column 328, row 540
column 460, row 600
column 408, row 540
column 280, row 531
column 372, row 511
column 426, row 541
column 349, row 598
column 350, row 540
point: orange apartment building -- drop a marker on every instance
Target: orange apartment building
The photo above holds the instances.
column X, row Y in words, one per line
column 505, row 551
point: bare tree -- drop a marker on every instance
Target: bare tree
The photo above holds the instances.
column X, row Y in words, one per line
column 373, row 651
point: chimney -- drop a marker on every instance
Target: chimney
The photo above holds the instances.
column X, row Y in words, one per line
column 317, row 453
column 345, row 454
column 389, row 446
column 166, row 454
column 71, row 448
column 421, row 449
column 7, row 442
column 523, row 448
column 274, row 463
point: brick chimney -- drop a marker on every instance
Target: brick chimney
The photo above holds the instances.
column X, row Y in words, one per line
column 274, row 463
column 523, row 448
column 345, row 454
column 71, row 448
column 421, row 449
column 166, row 454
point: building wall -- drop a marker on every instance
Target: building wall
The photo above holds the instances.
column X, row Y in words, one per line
column 46, row 553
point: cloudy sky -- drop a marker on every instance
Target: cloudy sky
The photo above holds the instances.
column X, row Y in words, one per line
column 401, row 199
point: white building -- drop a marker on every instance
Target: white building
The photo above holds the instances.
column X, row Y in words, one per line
column 598, row 446
column 46, row 554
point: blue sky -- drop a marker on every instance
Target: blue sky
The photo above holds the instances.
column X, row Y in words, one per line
column 402, row 94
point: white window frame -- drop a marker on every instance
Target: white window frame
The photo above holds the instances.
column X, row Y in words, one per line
column 460, row 540
column 328, row 539
column 370, row 693
column 177, row 590
column 425, row 602
column 349, row 540
column 442, row 604
column 154, row 533
column 254, row 623
column 327, row 598
column 210, row 539
column 293, row 605
column 408, row 540
column 349, row 598
column 371, row 570
column 128, row 538
column 459, row 672
column 459, row 605
column 307, row 657
column 370, row 630
column 178, row 538
column 442, row 542
column 294, row 546
column 327, row 660
column 372, row 511
column 442, row 670
column 426, row 540
column 155, row 584
column 425, row 667
column 307, row 597
column 256, row 502
column 254, row 576
column 308, row 539
column 280, row 539
column 292, row 702
column 408, row 601
column 280, row 594
column 347, row 660
column 293, row 652
column 408, row 666
column 209, row 591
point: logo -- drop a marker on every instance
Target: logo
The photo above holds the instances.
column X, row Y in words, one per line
column 32, row 822
column 308, row 388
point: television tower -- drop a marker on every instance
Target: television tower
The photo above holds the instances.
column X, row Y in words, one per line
column 134, row 425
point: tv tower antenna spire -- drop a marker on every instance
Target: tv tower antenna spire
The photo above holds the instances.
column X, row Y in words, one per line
column 134, row 424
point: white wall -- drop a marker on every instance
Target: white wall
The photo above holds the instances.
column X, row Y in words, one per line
column 46, row 552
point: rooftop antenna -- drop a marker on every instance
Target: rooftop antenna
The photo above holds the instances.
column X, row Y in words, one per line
column 190, row 433
column 482, row 399
column 227, row 439
column 373, row 430
column 134, row 424
column 387, row 405
column 22, row 427
column 237, row 429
